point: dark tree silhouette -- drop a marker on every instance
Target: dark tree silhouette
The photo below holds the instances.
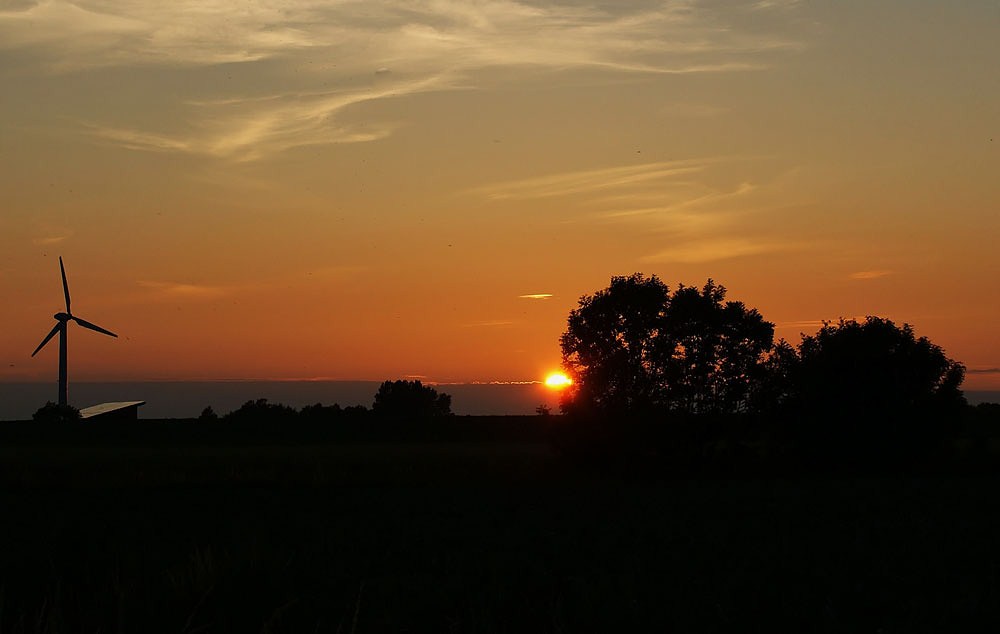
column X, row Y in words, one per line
column 355, row 412
column 319, row 412
column 775, row 389
column 609, row 347
column 635, row 348
column 857, row 393
column 871, row 387
column 55, row 413
column 712, row 351
column 208, row 414
column 410, row 399
column 261, row 410
column 878, row 367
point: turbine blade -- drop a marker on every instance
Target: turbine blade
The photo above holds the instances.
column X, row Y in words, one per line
column 52, row 333
column 87, row 324
column 65, row 284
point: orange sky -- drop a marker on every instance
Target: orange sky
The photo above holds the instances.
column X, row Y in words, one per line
column 371, row 190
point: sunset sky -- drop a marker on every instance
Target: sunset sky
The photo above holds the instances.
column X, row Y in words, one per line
column 385, row 189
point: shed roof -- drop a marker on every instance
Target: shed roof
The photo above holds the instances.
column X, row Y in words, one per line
column 106, row 408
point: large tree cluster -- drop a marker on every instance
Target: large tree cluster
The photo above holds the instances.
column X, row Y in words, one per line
column 636, row 348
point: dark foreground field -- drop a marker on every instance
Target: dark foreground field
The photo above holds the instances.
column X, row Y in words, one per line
column 477, row 537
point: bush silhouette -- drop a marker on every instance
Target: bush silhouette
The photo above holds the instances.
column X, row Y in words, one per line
column 261, row 411
column 54, row 413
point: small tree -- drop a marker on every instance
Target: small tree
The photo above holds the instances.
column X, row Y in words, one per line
column 262, row 411
column 410, row 399
column 55, row 413
column 208, row 414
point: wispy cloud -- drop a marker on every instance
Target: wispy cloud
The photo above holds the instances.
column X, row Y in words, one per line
column 780, row 5
column 50, row 240
column 495, row 323
column 714, row 249
column 17, row 5
column 815, row 324
column 670, row 36
column 644, row 191
column 703, row 222
column 686, row 208
column 983, row 370
column 801, row 323
column 536, row 296
column 50, row 233
column 171, row 290
column 249, row 129
column 178, row 290
column 590, row 181
column 870, row 275
column 672, row 198
column 403, row 47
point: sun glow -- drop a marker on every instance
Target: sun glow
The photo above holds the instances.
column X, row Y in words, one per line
column 558, row 381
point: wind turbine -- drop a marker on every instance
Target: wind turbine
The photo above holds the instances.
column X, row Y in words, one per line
column 61, row 320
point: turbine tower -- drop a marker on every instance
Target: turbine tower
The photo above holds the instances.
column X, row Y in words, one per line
column 62, row 319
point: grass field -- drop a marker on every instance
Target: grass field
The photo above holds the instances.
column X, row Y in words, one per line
column 477, row 537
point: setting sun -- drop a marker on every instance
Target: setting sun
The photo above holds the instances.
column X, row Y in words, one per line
column 558, row 380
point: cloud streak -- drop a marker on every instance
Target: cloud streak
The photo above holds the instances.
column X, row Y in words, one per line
column 495, row 323
column 870, row 275
column 50, row 240
column 816, row 324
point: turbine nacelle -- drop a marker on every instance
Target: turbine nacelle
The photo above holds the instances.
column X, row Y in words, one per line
column 63, row 316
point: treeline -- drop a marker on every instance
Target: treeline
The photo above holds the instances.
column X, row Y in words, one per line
column 402, row 411
column 693, row 380
column 394, row 400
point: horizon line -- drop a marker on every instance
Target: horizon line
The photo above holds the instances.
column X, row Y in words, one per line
column 286, row 380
